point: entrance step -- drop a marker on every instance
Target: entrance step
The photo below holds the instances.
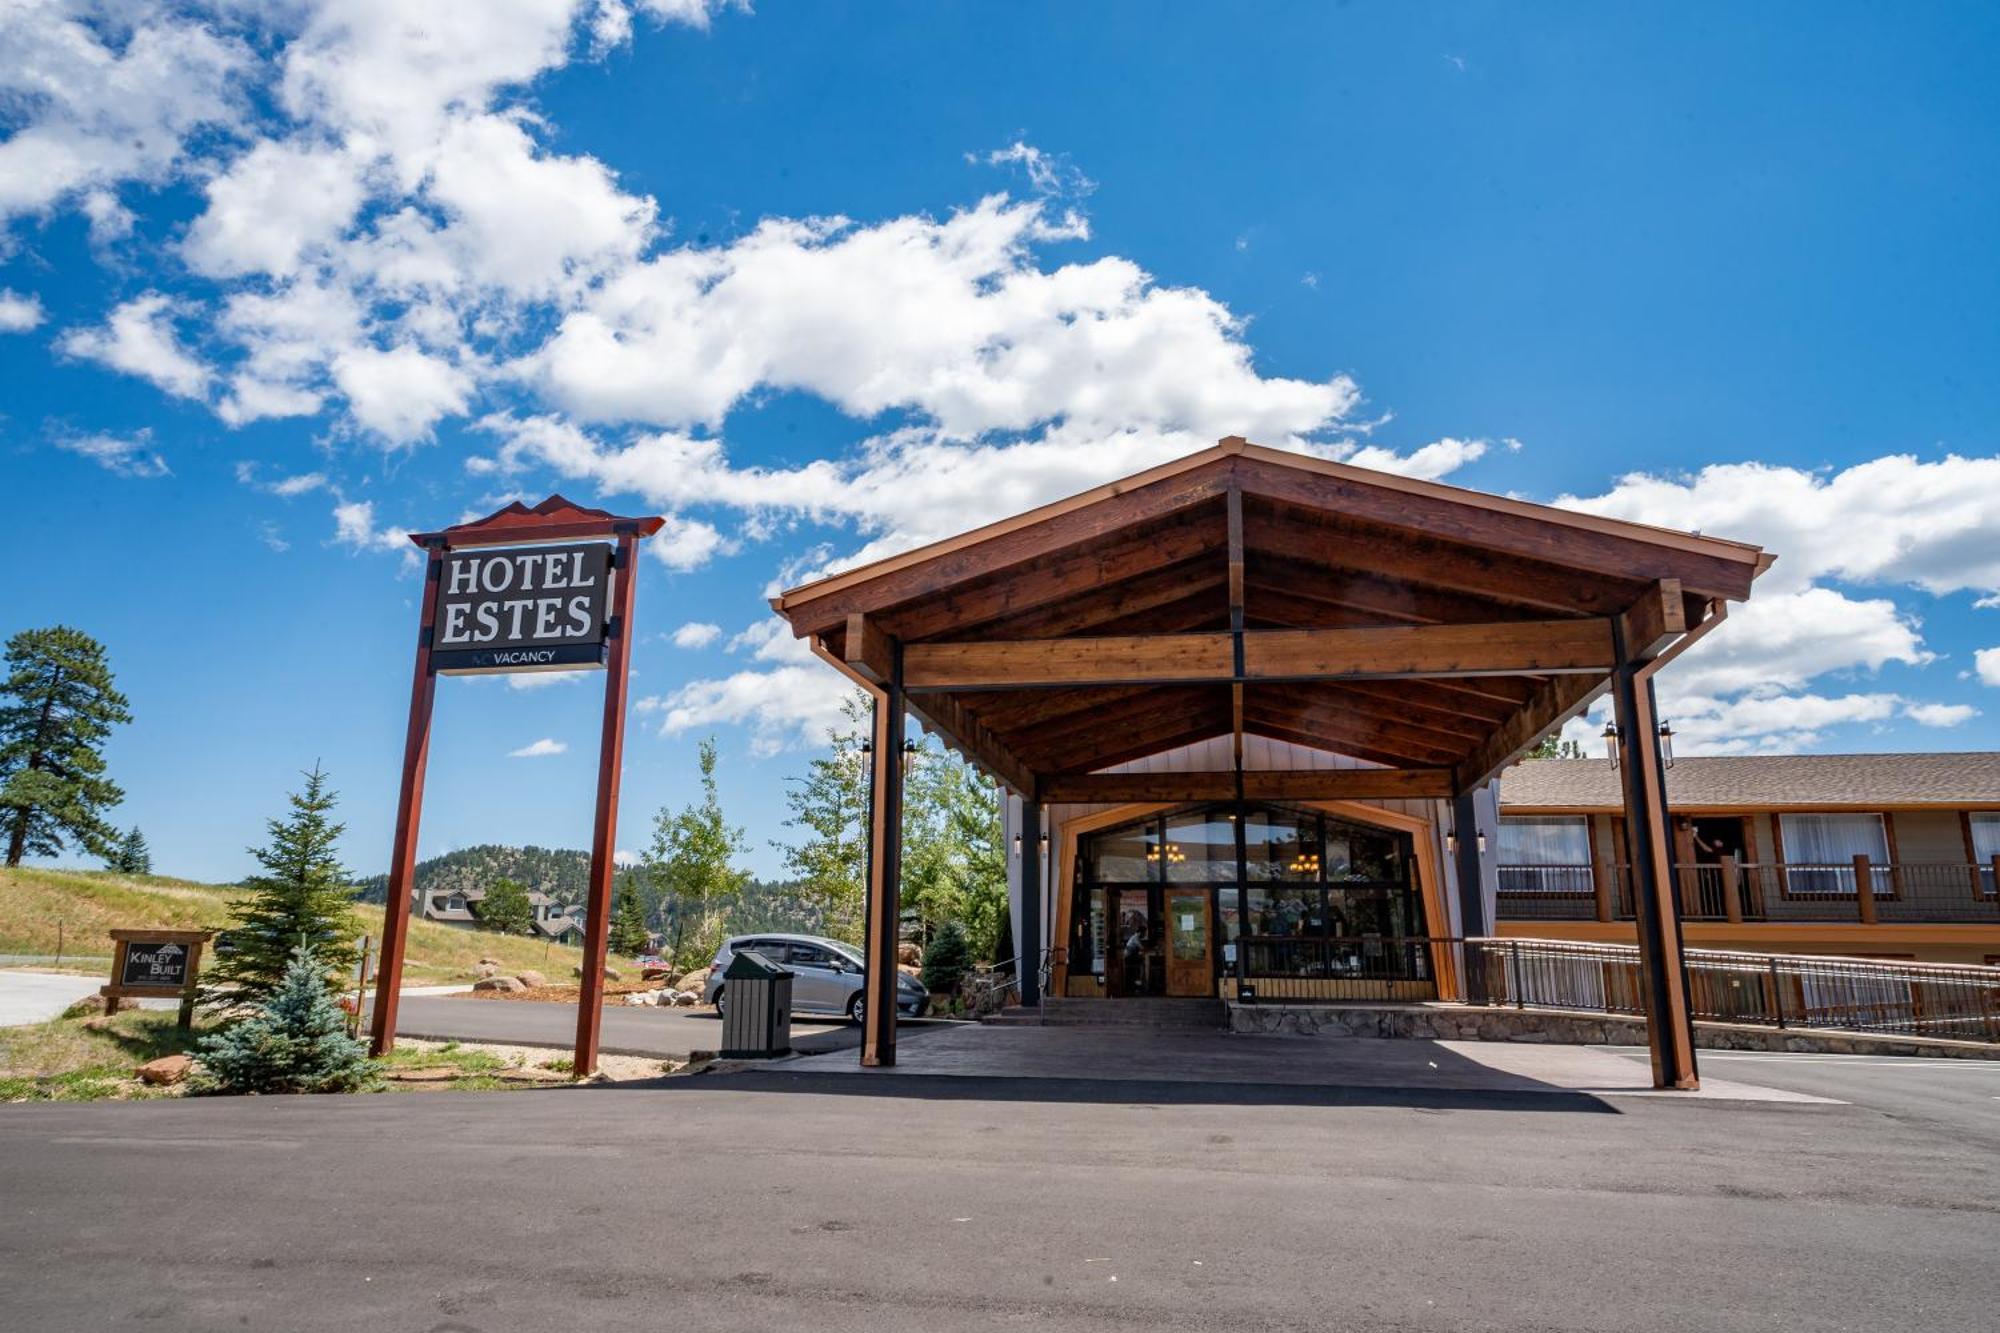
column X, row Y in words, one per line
column 1151, row 1013
column 1013, row 1016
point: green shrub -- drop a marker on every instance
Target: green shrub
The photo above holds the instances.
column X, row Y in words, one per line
column 296, row 1041
column 947, row 958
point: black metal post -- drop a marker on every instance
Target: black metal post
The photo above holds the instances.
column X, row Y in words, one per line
column 1029, row 964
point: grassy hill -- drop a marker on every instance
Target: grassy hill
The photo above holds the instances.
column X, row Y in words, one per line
column 561, row 872
column 89, row 904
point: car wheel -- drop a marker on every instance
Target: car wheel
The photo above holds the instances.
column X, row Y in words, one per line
column 719, row 1002
column 857, row 1008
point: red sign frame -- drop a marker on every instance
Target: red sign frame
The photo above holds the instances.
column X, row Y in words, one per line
column 553, row 520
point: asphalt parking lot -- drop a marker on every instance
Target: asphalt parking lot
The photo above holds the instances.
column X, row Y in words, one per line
column 783, row 1199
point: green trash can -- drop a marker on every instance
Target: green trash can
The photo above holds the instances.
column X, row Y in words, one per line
column 757, row 1021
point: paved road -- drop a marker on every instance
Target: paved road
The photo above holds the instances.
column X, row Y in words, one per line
column 627, row 1030
column 35, row 997
column 837, row 1204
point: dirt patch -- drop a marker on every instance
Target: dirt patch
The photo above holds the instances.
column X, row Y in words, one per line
column 521, row 1065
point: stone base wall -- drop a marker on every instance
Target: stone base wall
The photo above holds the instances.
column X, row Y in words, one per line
column 1457, row 1022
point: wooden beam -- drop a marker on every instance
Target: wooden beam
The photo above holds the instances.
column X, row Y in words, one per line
column 1553, row 703
column 946, row 717
column 868, row 650
column 1506, row 648
column 1004, row 548
column 1652, row 623
column 1382, row 652
column 1541, row 537
column 1342, row 784
column 1113, row 659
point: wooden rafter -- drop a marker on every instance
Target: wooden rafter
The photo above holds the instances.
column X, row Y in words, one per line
column 1342, row 784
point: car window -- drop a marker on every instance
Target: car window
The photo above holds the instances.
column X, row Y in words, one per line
column 810, row 955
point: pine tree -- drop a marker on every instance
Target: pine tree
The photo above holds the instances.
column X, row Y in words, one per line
column 946, row 959
column 1553, row 746
column 303, row 898
column 830, row 806
column 629, row 936
column 296, row 1041
column 130, row 855
column 506, row 908
column 689, row 864
column 953, row 865
column 57, row 706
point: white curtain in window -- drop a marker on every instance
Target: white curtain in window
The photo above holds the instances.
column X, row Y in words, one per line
column 1832, row 842
column 1544, row 854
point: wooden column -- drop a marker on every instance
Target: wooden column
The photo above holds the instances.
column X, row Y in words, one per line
column 1732, row 894
column 409, row 815
column 1864, row 889
column 604, row 826
column 1029, row 956
column 1471, row 891
column 883, row 911
column 1656, row 907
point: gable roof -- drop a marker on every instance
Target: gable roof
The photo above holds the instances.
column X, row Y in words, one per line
column 1770, row 781
column 1284, row 542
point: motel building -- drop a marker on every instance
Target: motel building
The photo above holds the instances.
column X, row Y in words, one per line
column 1251, row 712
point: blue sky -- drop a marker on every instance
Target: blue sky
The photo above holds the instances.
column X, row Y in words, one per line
column 825, row 280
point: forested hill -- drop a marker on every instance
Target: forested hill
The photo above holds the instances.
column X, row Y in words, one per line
column 561, row 872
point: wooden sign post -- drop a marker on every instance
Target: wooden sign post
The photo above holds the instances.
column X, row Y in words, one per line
column 542, row 589
column 155, row 964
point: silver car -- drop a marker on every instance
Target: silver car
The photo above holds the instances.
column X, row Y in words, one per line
column 828, row 976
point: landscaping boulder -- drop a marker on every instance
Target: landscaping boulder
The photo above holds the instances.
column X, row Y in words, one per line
column 531, row 979
column 486, row 969
column 613, row 974
column 505, row 985
column 696, row 981
column 489, row 962
column 165, row 1071
column 908, row 956
column 681, row 999
column 88, row 1005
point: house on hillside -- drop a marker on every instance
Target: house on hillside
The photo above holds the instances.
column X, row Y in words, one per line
column 458, row 907
column 1875, row 855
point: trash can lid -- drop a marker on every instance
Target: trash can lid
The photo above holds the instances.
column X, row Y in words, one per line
column 753, row 966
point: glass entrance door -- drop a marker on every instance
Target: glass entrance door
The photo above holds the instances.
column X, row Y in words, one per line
column 1190, row 957
column 1135, row 963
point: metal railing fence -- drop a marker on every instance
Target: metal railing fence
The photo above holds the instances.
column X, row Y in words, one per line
column 1940, row 1000
column 1728, row 890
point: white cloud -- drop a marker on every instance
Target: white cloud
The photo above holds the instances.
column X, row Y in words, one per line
column 107, row 93
column 128, row 456
column 540, row 749
column 18, row 313
column 1987, row 663
column 782, row 707
column 1940, row 715
column 1048, row 173
column 687, row 543
column 400, row 394
column 696, row 634
column 354, row 526
column 271, row 206
column 139, row 339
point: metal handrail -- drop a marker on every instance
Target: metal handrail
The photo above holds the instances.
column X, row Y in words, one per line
column 1940, row 1000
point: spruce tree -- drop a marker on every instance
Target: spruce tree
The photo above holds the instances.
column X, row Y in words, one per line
column 506, row 908
column 830, row 807
column 946, row 959
column 57, row 706
column 689, row 864
column 303, row 898
column 130, row 855
column 296, row 1041
column 629, row 936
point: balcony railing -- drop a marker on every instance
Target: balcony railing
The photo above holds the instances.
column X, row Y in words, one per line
column 1901, row 892
column 1771, row 990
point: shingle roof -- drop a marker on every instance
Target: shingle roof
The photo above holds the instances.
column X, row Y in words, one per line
column 1768, row 781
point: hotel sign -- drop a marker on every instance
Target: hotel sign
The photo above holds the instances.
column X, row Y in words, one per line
column 535, row 608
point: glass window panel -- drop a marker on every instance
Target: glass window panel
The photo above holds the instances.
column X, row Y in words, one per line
column 1986, row 845
column 1355, row 852
column 1200, row 848
column 1545, row 854
column 1280, row 846
column 1125, row 855
column 1286, row 912
column 1820, row 852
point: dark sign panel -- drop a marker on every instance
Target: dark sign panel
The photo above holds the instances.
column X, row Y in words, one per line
column 523, row 608
column 161, row 965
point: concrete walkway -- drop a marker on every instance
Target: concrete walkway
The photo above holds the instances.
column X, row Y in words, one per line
column 1125, row 1055
column 36, row 997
